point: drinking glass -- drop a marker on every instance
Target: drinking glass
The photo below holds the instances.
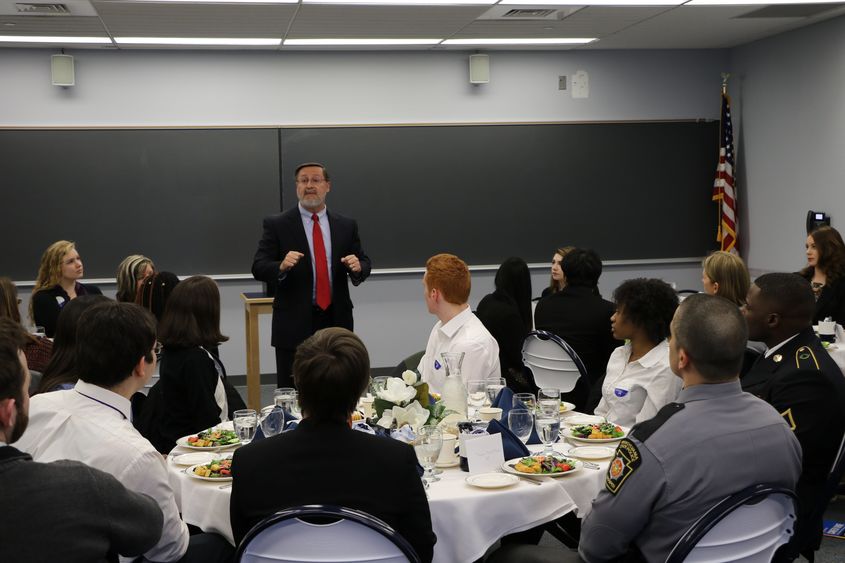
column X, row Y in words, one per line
column 427, row 445
column 525, row 401
column 476, row 395
column 493, row 388
column 548, row 428
column 379, row 384
column 245, row 421
column 286, row 398
column 548, row 400
column 521, row 421
column 272, row 420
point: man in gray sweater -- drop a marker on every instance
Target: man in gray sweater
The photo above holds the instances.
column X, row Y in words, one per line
column 65, row 510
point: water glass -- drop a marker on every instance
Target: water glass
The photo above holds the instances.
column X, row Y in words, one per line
column 280, row 393
column 427, row 445
column 521, row 422
column 493, row 388
column 525, row 401
column 548, row 400
column 272, row 420
column 548, row 429
column 476, row 395
column 287, row 399
column 245, row 421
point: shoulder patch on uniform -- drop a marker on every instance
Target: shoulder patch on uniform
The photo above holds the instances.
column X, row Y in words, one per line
column 790, row 420
column 644, row 429
column 805, row 358
column 625, row 462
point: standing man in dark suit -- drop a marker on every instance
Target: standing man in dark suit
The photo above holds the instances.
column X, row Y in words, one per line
column 324, row 461
column 797, row 377
column 307, row 254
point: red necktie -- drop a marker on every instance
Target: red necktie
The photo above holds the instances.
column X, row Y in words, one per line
column 321, row 263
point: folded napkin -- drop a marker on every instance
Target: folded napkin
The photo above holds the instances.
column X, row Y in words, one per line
column 511, row 445
column 362, row 426
column 277, row 416
column 504, row 401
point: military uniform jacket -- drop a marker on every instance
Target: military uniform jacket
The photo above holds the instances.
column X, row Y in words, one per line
column 713, row 442
column 807, row 388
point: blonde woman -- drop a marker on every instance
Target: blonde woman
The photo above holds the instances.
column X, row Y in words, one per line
column 131, row 274
column 57, row 284
column 724, row 274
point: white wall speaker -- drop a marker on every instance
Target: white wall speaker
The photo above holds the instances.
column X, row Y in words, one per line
column 61, row 67
column 479, row 69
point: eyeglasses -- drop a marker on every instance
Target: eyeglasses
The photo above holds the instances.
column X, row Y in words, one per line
column 305, row 181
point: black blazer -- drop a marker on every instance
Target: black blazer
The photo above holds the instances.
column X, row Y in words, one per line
column 292, row 306
column 812, row 401
column 831, row 302
column 329, row 463
column 48, row 303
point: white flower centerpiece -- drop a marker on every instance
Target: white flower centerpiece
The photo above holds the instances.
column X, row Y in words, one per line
column 407, row 401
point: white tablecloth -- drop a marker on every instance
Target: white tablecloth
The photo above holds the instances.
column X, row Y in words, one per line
column 467, row 520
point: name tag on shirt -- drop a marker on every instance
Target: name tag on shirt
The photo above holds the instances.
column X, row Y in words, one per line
column 619, row 392
column 437, row 365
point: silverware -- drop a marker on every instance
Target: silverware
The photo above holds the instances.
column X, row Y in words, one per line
column 530, row 480
column 591, row 465
column 226, row 486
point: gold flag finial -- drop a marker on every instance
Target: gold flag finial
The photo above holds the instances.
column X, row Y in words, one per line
column 725, row 76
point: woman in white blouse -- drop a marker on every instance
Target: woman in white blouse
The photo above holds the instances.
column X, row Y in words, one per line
column 639, row 381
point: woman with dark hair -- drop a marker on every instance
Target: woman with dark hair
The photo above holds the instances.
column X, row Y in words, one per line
column 639, row 381
column 37, row 349
column 154, row 292
column 57, row 284
column 826, row 273
column 61, row 372
column 131, row 274
column 557, row 281
column 192, row 392
column 506, row 313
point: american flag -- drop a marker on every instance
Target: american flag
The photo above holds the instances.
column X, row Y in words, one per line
column 723, row 188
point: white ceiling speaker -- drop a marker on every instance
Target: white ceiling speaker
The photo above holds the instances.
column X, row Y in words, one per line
column 61, row 67
column 479, row 69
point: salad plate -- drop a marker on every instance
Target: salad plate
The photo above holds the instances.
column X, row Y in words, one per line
column 609, row 433
column 510, row 467
column 210, row 440
column 215, row 470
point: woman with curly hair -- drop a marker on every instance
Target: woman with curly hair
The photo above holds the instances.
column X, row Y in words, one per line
column 826, row 273
column 639, row 380
column 724, row 274
column 57, row 284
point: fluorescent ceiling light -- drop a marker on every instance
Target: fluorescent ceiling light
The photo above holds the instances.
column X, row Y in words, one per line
column 594, row 2
column 537, row 41
column 756, row 2
column 220, row 1
column 360, row 42
column 51, row 39
column 404, row 2
column 224, row 41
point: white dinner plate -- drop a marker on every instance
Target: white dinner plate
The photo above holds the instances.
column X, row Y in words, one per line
column 580, row 419
column 183, row 442
column 508, row 466
column 193, row 458
column 492, row 480
column 569, row 435
column 566, row 407
column 441, row 465
column 190, row 471
column 591, row 452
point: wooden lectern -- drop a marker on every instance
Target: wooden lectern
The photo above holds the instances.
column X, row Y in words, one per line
column 254, row 304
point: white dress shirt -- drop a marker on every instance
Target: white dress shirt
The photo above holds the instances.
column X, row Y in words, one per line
column 92, row 425
column 635, row 391
column 463, row 333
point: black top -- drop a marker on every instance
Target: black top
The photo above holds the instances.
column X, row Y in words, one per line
column 330, row 463
column 48, row 303
column 831, row 302
column 803, row 383
column 499, row 315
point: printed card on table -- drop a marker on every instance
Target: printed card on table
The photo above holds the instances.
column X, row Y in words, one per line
column 485, row 453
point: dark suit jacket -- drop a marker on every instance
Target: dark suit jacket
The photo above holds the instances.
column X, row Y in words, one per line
column 292, row 306
column 329, row 463
column 812, row 401
column 831, row 302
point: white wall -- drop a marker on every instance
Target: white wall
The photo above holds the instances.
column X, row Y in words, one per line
column 241, row 88
column 789, row 105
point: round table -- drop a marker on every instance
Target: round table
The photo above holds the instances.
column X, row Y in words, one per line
column 467, row 520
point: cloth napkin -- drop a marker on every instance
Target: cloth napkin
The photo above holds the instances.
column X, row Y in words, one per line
column 504, row 401
column 511, row 445
column 290, row 422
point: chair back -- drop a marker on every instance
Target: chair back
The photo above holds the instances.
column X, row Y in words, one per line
column 552, row 361
column 342, row 535
column 747, row 526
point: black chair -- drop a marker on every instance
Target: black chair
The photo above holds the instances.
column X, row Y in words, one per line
column 552, row 361
column 312, row 533
column 747, row 526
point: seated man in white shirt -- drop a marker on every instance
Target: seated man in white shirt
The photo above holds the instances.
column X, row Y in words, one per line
column 91, row 423
column 447, row 286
